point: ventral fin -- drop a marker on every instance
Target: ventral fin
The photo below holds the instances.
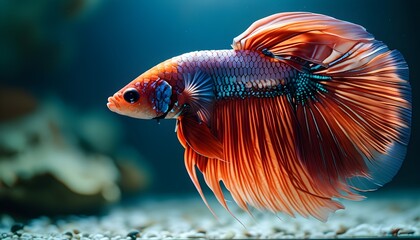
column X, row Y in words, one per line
column 198, row 94
column 198, row 136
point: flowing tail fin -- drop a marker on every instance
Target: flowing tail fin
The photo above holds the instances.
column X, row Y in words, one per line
column 358, row 128
column 370, row 88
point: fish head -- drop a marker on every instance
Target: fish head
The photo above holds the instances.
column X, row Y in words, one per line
column 146, row 97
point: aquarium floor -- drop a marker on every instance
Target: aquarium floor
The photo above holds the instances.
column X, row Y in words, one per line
column 390, row 215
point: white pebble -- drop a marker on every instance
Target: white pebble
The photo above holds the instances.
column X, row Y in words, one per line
column 26, row 235
column 173, row 218
column 229, row 235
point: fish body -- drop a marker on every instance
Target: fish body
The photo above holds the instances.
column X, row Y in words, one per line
column 303, row 110
column 232, row 74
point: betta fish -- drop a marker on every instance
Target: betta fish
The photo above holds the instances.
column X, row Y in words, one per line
column 304, row 110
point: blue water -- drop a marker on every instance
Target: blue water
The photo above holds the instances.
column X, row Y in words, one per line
column 84, row 59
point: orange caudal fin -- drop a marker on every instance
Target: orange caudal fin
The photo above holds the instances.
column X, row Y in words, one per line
column 370, row 92
column 356, row 126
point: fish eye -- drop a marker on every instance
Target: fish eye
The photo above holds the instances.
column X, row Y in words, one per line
column 131, row 95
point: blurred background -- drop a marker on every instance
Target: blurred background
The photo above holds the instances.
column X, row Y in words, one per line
column 61, row 59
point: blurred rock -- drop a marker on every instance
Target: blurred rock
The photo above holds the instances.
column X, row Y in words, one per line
column 46, row 168
column 58, row 183
column 15, row 103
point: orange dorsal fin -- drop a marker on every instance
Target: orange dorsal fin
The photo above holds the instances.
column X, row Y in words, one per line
column 197, row 135
column 313, row 37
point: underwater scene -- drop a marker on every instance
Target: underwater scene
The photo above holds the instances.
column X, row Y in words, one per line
column 210, row 119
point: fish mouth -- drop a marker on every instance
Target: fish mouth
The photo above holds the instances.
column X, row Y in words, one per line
column 112, row 104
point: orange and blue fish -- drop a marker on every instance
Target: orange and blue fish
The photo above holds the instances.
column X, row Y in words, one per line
column 305, row 109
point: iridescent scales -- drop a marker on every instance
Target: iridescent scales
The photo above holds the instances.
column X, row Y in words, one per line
column 242, row 74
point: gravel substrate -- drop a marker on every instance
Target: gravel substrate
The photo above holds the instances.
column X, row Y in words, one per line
column 395, row 214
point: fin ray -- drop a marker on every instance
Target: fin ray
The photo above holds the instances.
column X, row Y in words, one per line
column 260, row 168
column 198, row 93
